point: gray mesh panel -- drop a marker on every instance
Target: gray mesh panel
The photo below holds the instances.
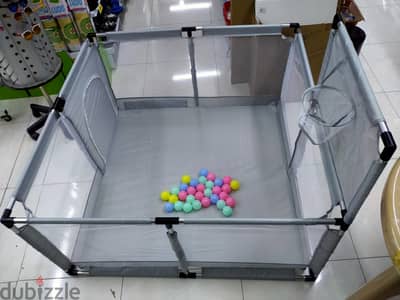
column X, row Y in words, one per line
column 90, row 104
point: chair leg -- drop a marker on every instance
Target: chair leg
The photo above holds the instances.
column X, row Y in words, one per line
column 32, row 130
column 38, row 110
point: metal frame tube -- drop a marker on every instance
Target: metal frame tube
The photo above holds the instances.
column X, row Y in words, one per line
column 144, row 221
column 237, row 30
column 178, row 250
column 193, row 70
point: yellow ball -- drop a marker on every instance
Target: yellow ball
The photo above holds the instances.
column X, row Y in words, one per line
column 185, row 179
column 173, row 198
column 235, row 185
column 164, row 196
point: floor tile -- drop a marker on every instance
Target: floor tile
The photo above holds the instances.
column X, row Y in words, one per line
column 225, row 86
column 168, row 79
column 11, row 136
column 338, row 280
column 367, row 3
column 82, row 288
column 128, row 80
column 382, row 23
column 176, row 289
column 372, row 267
column 385, row 64
column 394, row 99
column 386, row 106
column 189, row 12
column 366, row 229
column 12, row 248
column 131, row 53
column 373, row 81
column 19, row 109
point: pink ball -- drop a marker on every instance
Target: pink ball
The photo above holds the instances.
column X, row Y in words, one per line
column 211, row 176
column 230, row 201
column 226, row 188
column 205, row 202
column 216, row 190
column 227, row 179
column 223, row 195
column 182, row 195
column 191, row 190
column 199, row 195
column 200, row 187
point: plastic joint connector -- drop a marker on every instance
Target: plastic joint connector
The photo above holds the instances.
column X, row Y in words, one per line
column 390, row 146
column 91, row 36
column 189, row 30
column 343, row 225
column 187, row 275
column 295, row 26
column 6, row 218
column 166, row 221
column 59, row 104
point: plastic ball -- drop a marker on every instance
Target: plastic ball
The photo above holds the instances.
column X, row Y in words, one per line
column 211, row 176
column 230, row 201
column 185, row 179
column 200, row 187
column 220, row 204
column 164, row 195
column 194, row 182
column 172, row 198
column 203, row 172
column 226, row 188
column 196, row 205
column 205, row 202
column 223, row 195
column 218, row 182
column 227, row 211
column 209, row 184
column 187, row 207
column 178, row 205
column 202, row 179
column 227, row 179
column 174, row 190
column 190, row 198
column 183, row 186
column 191, row 190
column 168, row 207
column 214, row 198
column 208, row 192
column 182, row 195
column 199, row 195
column 235, row 185
column 216, row 190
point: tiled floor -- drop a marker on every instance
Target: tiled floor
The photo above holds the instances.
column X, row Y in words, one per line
column 361, row 254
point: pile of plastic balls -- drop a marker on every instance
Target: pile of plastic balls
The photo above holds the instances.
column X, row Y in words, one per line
column 196, row 193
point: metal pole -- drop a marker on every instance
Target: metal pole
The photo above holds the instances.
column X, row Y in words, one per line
column 177, row 248
column 46, row 96
column 206, row 221
column 193, row 70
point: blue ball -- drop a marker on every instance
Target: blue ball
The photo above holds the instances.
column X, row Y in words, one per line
column 203, row 172
column 218, row 182
column 169, row 207
column 214, row 199
column 183, row 187
column 194, row 182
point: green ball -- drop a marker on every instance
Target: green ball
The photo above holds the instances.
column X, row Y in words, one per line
column 187, row 207
column 190, row 198
column 174, row 190
column 208, row 192
column 220, row 204
column 202, row 179
column 178, row 205
column 227, row 211
column 209, row 184
column 196, row 205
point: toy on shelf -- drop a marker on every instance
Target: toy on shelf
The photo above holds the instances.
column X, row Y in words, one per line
column 194, row 194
